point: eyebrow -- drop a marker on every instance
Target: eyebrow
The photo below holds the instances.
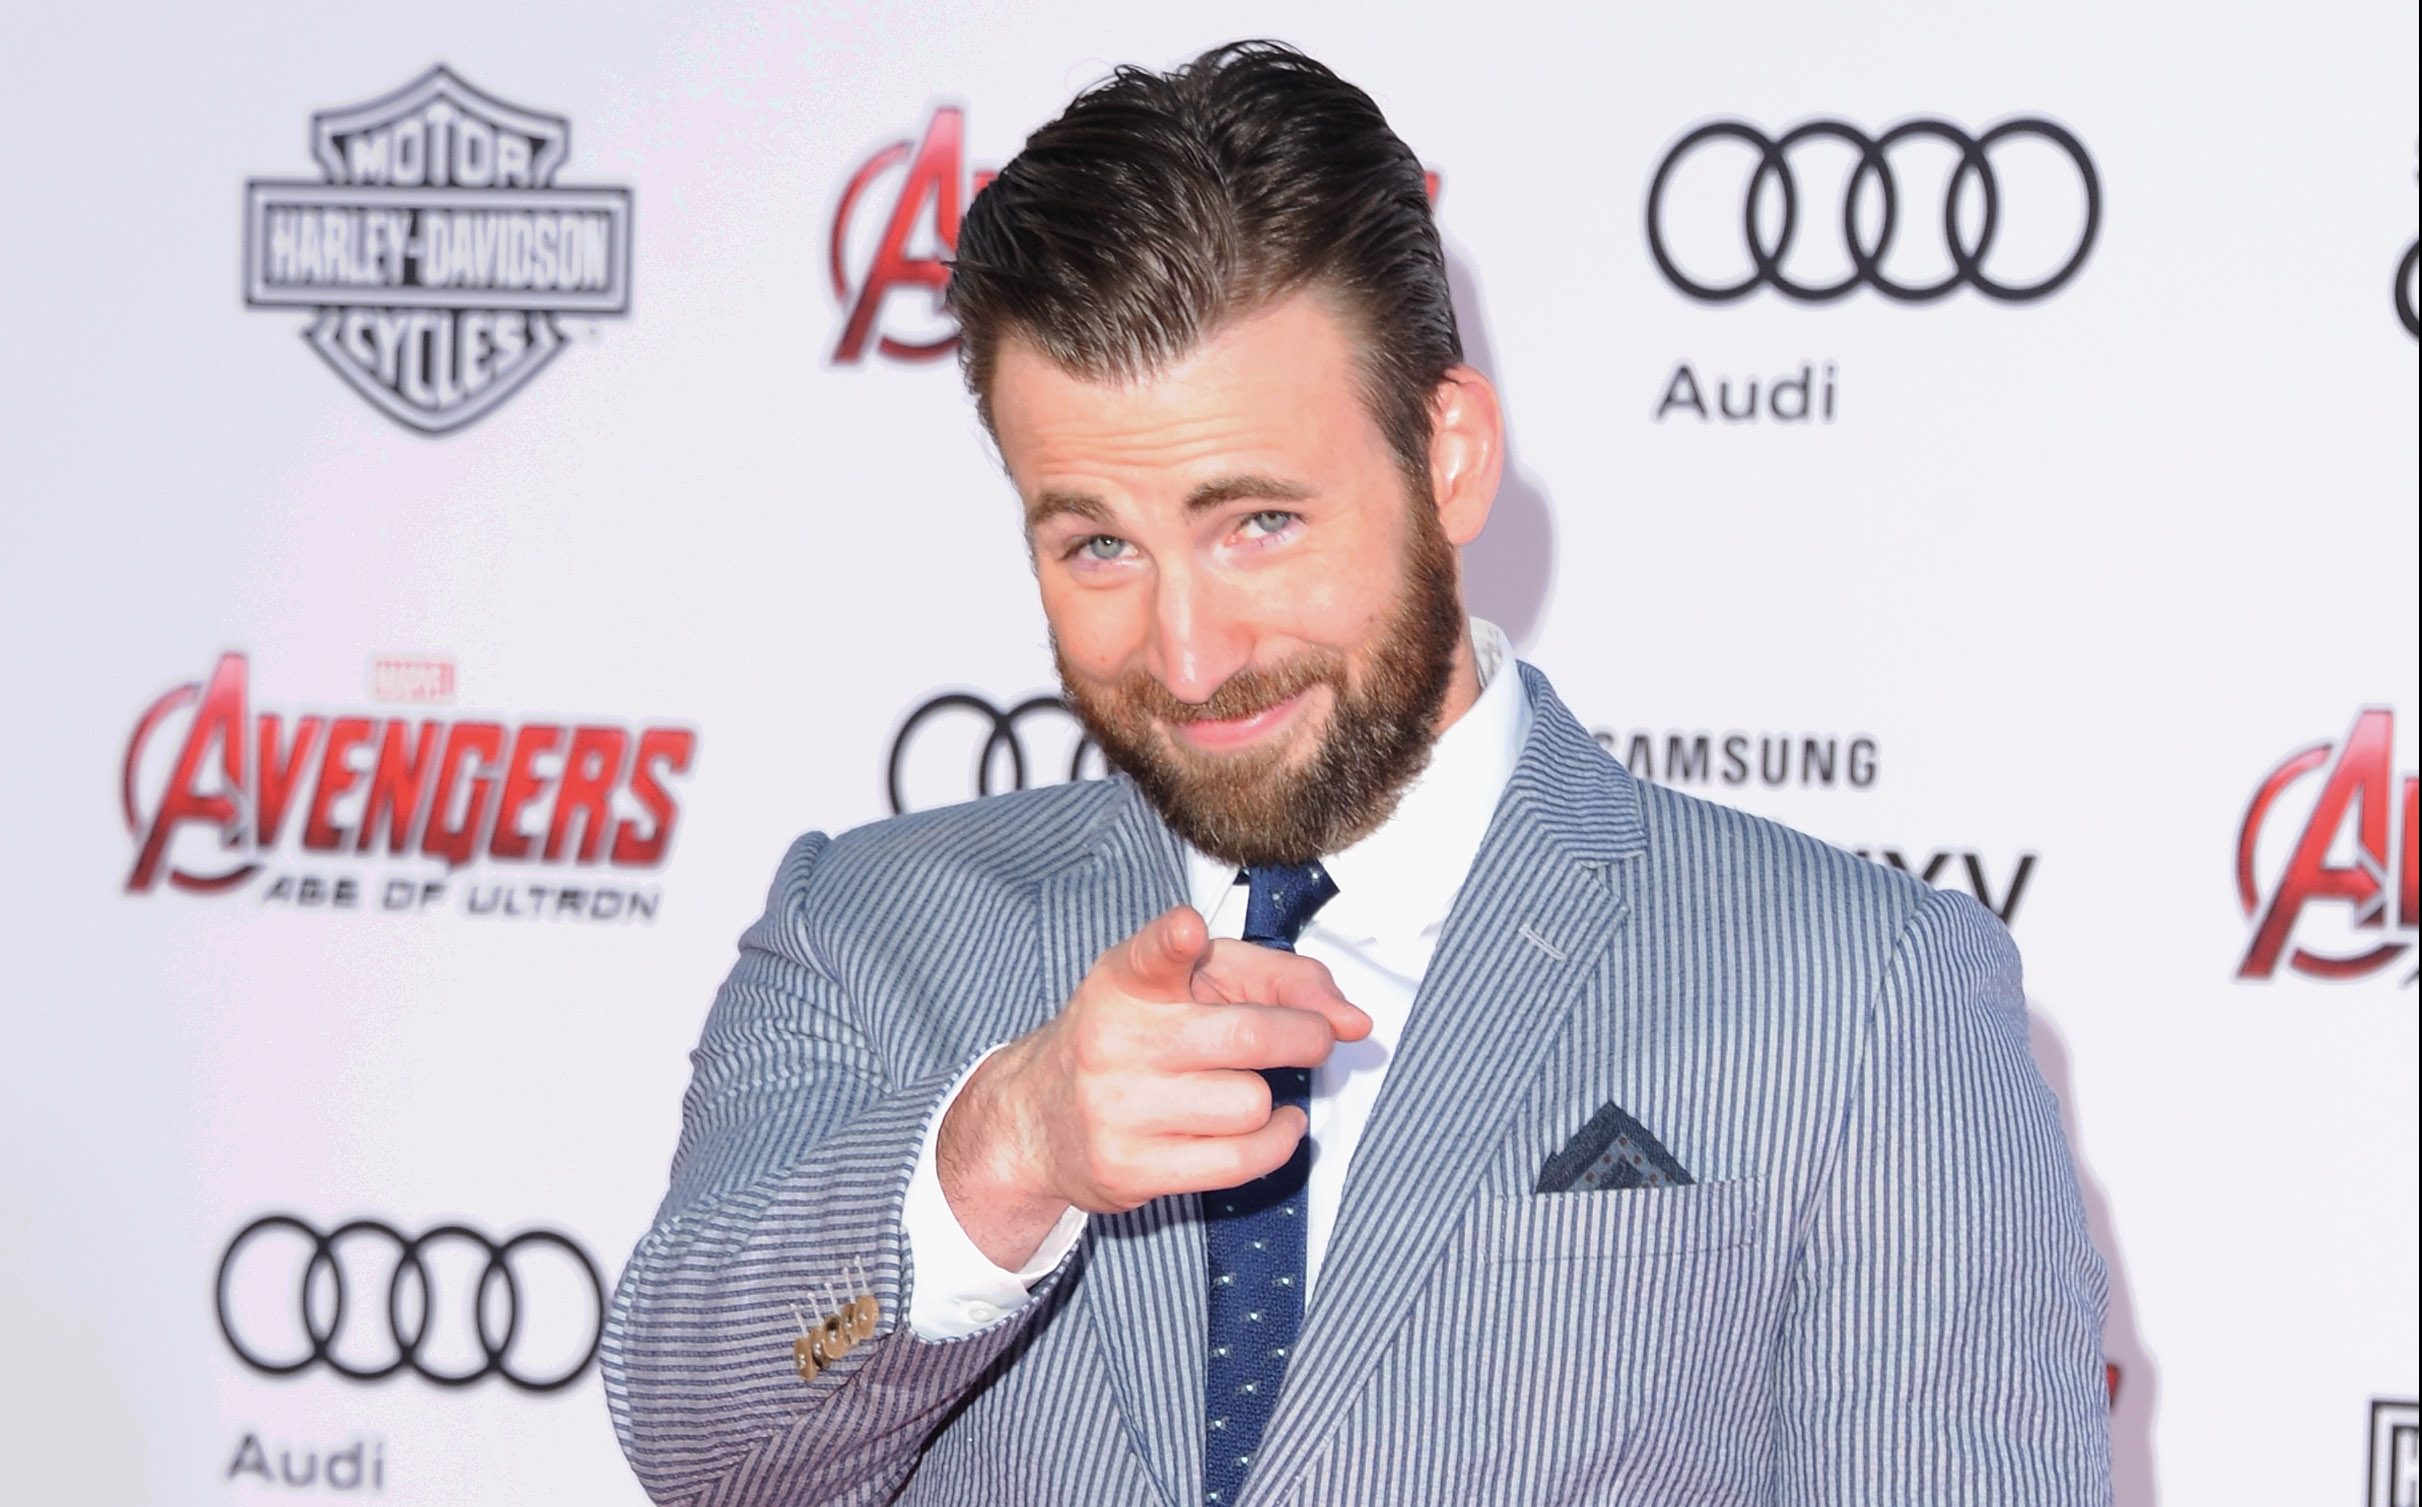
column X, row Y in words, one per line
column 1217, row 492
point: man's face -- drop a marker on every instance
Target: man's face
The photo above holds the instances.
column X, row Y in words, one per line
column 1251, row 614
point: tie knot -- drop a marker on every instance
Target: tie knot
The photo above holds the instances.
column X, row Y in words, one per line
column 1281, row 901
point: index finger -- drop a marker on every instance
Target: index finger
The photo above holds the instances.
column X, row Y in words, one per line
column 1158, row 961
column 1233, row 972
column 1237, row 1036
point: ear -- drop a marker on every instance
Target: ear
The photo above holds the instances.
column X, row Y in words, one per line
column 1467, row 451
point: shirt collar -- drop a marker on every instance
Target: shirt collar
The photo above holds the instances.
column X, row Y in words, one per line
column 1405, row 875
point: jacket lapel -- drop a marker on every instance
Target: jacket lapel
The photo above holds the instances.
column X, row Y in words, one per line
column 1530, row 928
column 1142, row 1285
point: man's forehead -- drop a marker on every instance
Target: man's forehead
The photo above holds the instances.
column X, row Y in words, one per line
column 1277, row 382
column 1311, row 316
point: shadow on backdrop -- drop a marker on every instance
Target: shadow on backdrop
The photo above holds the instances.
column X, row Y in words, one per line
column 2132, row 1474
column 1509, row 570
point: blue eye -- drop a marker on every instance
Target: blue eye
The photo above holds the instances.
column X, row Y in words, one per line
column 1101, row 546
column 1270, row 521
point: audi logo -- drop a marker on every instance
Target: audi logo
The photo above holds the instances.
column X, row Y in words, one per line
column 1888, row 182
column 459, row 1307
column 2408, row 274
column 959, row 746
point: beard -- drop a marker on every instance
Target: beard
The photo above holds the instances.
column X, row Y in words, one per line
column 1259, row 805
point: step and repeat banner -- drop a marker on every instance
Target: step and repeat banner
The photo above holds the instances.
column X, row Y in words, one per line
column 480, row 480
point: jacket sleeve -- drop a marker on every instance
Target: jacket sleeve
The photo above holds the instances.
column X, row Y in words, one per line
column 1943, row 1341
column 795, row 1154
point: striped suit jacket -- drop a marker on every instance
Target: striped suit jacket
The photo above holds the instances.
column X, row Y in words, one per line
column 1879, row 1290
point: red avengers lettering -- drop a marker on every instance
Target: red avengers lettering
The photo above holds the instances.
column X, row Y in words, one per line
column 533, row 792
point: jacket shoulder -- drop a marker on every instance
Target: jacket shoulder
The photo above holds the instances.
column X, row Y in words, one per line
column 895, row 876
column 1736, row 861
column 1011, row 838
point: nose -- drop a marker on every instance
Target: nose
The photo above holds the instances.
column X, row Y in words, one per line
column 1199, row 638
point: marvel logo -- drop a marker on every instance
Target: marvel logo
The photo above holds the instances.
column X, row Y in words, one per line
column 425, row 682
column 2396, row 1454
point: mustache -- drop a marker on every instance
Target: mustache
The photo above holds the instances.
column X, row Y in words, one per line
column 1249, row 691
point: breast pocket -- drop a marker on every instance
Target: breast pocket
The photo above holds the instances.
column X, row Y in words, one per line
column 1627, row 1225
column 1587, row 1327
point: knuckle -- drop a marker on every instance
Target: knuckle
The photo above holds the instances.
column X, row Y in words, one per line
column 1253, row 1103
column 1099, row 1043
column 1099, row 1108
column 1126, row 1173
column 1245, row 1108
column 1085, row 1047
column 1236, row 1107
column 1103, row 1166
column 1242, row 1035
column 1126, row 961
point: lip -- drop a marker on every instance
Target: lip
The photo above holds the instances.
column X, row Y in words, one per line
column 1240, row 731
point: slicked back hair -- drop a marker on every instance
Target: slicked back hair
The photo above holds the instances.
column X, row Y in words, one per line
column 1158, row 206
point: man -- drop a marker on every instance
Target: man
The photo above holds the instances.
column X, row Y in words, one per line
column 1372, row 1094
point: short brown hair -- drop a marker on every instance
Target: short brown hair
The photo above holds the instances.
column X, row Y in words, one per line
column 1159, row 205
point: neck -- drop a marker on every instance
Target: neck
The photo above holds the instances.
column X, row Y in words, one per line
column 1463, row 683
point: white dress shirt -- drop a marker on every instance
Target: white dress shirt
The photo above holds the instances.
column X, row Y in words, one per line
column 1376, row 935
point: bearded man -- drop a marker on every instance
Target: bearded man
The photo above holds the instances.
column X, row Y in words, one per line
column 1371, row 1093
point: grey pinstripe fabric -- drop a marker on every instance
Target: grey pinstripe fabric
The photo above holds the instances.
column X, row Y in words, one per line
column 1880, row 1290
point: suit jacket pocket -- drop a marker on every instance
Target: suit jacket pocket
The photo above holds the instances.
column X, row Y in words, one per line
column 1571, row 1328
column 1629, row 1224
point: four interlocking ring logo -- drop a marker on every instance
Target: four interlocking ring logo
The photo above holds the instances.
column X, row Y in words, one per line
column 408, row 1332
column 1001, row 737
column 2408, row 274
column 1869, row 248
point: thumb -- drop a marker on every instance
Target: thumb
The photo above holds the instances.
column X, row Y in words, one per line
column 1160, row 959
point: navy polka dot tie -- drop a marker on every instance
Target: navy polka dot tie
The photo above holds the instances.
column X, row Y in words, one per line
column 1256, row 1233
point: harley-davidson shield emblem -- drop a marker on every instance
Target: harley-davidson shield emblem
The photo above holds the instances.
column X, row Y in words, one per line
column 437, row 248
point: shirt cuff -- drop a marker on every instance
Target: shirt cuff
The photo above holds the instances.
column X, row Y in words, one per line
column 958, row 1290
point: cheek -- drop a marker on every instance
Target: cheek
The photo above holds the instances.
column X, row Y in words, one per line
column 1346, row 601
column 1098, row 632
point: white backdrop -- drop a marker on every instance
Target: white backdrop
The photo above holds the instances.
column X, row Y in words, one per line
column 2060, row 585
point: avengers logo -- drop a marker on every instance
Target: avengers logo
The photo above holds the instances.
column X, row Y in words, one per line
column 437, row 248
column 1916, row 213
column 917, row 232
column 208, row 787
column 960, row 747
column 895, row 228
column 451, row 1306
column 2328, row 839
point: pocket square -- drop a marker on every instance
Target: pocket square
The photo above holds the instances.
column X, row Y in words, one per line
column 1613, row 1151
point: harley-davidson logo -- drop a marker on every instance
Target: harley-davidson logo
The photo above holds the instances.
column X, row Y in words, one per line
column 437, row 248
